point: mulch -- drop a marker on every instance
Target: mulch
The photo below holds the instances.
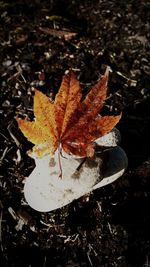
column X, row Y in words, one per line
column 39, row 42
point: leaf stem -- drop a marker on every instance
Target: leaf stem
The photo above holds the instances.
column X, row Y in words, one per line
column 59, row 161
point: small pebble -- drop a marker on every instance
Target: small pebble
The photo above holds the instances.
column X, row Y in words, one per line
column 7, row 63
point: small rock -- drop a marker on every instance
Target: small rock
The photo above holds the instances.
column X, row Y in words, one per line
column 7, row 63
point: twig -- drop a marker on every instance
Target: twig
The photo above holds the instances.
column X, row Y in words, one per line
column 17, row 74
column 146, row 264
column 110, row 229
column 51, row 225
column 4, row 136
column 19, row 69
column 13, row 137
column 4, row 154
column 131, row 82
column 18, row 159
column 91, row 248
column 71, row 238
column 99, row 206
column 89, row 259
column 1, row 217
column 45, row 259
column 59, row 161
column 88, row 255
column 13, row 213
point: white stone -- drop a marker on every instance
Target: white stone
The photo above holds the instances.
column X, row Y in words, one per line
column 111, row 139
column 45, row 190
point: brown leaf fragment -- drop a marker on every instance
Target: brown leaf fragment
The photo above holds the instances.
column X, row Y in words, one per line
column 58, row 33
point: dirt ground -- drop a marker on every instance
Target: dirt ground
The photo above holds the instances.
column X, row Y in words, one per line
column 39, row 42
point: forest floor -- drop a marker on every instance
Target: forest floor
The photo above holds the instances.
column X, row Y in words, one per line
column 39, row 42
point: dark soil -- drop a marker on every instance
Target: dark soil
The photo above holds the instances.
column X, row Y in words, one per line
column 113, row 227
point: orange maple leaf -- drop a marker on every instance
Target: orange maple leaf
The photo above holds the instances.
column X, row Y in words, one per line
column 69, row 122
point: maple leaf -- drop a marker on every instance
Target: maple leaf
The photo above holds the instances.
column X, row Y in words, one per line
column 69, row 122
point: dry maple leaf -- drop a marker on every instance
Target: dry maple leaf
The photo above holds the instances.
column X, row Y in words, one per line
column 69, row 123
